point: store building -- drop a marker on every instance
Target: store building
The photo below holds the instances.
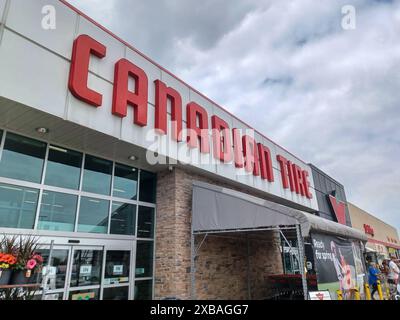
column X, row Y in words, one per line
column 383, row 239
column 344, row 268
column 145, row 187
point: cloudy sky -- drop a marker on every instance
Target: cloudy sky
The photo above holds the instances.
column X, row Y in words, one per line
column 328, row 94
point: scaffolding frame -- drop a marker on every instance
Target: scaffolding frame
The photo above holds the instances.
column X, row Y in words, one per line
column 207, row 233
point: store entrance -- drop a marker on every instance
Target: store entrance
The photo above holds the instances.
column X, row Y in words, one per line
column 88, row 272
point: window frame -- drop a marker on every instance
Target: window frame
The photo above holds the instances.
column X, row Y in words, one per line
column 41, row 186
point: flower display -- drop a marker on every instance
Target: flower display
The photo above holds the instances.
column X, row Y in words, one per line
column 4, row 266
column 38, row 258
column 7, row 260
column 31, row 264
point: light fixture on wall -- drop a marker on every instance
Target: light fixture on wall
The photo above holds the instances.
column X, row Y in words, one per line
column 133, row 158
column 42, row 130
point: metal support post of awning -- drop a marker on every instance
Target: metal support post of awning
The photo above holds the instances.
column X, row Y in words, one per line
column 192, row 267
column 300, row 245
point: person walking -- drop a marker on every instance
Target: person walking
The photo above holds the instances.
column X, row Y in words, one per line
column 385, row 268
column 373, row 278
column 394, row 271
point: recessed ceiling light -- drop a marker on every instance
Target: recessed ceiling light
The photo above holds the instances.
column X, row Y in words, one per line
column 133, row 158
column 42, row 130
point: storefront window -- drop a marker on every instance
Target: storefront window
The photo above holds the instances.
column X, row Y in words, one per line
column 93, row 215
column 117, row 267
column 143, row 290
column 63, row 168
column 147, row 187
column 57, row 273
column 17, row 206
column 57, row 212
column 123, row 218
column 97, row 175
column 22, row 158
column 146, row 222
column 125, row 182
column 118, row 293
column 144, row 259
column 86, row 268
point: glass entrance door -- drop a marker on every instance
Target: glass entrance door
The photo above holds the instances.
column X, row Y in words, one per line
column 85, row 273
column 89, row 272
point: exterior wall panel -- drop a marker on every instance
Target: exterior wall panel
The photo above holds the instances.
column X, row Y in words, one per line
column 2, row 8
column 152, row 71
column 383, row 232
column 115, row 50
column 34, row 76
column 324, row 186
column 25, row 17
column 89, row 116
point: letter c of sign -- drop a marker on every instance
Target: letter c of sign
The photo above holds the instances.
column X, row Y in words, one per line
column 84, row 47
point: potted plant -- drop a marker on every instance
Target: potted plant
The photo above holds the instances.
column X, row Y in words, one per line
column 28, row 261
column 7, row 259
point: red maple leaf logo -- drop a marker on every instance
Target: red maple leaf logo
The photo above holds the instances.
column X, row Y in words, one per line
column 339, row 209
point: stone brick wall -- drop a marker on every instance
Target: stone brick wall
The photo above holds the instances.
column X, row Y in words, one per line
column 237, row 267
column 222, row 266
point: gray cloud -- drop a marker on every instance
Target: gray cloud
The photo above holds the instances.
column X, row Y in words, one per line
column 329, row 95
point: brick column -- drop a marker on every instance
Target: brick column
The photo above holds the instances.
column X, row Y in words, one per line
column 172, row 272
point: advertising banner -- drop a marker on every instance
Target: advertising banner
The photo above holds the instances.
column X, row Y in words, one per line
column 338, row 264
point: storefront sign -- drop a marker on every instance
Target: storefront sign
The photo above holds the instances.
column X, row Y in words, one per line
column 84, row 296
column 368, row 229
column 320, row 295
column 54, row 296
column 229, row 144
column 118, row 269
column 338, row 264
column 85, row 270
column 50, row 271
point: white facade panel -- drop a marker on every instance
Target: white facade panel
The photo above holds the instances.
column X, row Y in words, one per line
column 32, row 75
column 245, row 177
column 26, row 18
column 152, row 71
column 135, row 134
column 99, row 119
column 228, row 169
column 207, row 105
column 2, row 7
column 183, row 90
column 272, row 147
column 115, row 50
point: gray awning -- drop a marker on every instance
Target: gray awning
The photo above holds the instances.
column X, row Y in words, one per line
column 321, row 225
column 220, row 209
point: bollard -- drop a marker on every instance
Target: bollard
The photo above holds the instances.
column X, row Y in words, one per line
column 356, row 294
column 380, row 290
column 387, row 292
column 367, row 292
column 339, row 294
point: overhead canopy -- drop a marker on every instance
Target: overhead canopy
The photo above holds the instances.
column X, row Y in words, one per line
column 220, row 209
